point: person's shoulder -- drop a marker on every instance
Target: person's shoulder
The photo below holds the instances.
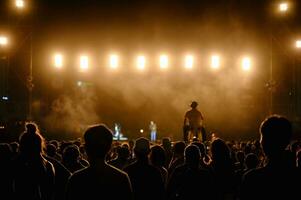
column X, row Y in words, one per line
column 49, row 165
column 80, row 174
column 115, row 171
column 180, row 168
column 254, row 174
column 130, row 167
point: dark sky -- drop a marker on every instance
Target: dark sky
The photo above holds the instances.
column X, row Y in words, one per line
column 129, row 26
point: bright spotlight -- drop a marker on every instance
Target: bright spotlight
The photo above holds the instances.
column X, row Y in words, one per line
column 141, row 62
column 298, row 44
column 189, row 61
column 58, row 60
column 3, row 41
column 84, row 63
column 141, row 130
column 215, row 61
column 114, row 61
column 20, row 4
column 163, row 61
column 283, row 7
column 246, row 64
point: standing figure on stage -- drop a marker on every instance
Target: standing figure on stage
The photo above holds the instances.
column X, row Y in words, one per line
column 117, row 128
column 193, row 123
column 153, row 131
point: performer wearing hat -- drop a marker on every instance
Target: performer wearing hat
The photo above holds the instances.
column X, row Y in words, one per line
column 193, row 123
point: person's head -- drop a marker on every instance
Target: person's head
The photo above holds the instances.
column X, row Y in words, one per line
column 192, row 155
column 71, row 154
column 251, row 161
column 178, row 148
column 6, row 152
column 51, row 150
column 123, row 152
column 220, row 150
column 157, row 156
column 31, row 142
column 142, row 147
column 276, row 133
column 194, row 104
column 98, row 141
column 166, row 143
column 201, row 146
column 131, row 144
column 240, row 156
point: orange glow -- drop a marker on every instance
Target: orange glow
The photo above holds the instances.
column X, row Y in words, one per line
column 58, row 60
column 189, row 61
column 3, row 41
column 84, row 63
column 246, row 64
column 114, row 61
column 164, row 62
column 20, row 4
column 283, row 7
column 215, row 61
column 298, row 44
column 141, row 62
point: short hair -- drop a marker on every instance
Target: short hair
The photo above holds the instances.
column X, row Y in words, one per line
column 179, row 147
column 98, row 140
column 192, row 154
column 142, row 146
column 157, row 156
column 276, row 133
column 194, row 104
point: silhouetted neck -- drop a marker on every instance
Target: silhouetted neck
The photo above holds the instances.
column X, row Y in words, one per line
column 142, row 160
column 97, row 162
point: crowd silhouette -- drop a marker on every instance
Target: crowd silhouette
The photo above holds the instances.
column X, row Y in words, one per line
column 97, row 167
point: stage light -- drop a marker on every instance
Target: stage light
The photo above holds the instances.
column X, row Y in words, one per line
column 58, row 61
column 84, row 63
column 298, row 44
column 283, row 7
column 246, row 64
column 141, row 62
column 20, row 4
column 79, row 83
column 3, row 41
column 114, row 61
column 215, row 61
column 163, row 61
column 141, row 130
column 189, row 61
column 5, row 98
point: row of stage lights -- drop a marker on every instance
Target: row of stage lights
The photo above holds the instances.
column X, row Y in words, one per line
column 140, row 62
column 282, row 6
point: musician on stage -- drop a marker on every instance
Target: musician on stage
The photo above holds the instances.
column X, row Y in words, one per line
column 193, row 123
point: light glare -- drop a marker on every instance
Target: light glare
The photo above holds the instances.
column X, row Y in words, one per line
column 189, row 61
column 298, row 44
column 20, row 3
column 283, row 7
column 163, row 61
column 84, row 63
column 3, row 41
column 114, row 61
column 58, row 60
column 215, row 62
column 141, row 62
column 246, row 64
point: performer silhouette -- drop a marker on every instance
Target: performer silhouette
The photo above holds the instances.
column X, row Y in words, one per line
column 153, row 131
column 193, row 123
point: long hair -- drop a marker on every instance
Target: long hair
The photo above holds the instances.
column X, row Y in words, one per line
column 31, row 141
